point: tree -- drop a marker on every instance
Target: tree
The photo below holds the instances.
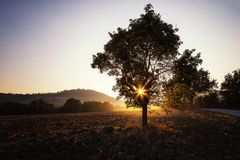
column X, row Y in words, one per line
column 230, row 89
column 41, row 106
column 71, row 105
column 139, row 58
column 176, row 95
column 191, row 79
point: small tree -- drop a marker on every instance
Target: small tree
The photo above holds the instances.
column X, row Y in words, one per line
column 191, row 79
column 230, row 89
column 138, row 57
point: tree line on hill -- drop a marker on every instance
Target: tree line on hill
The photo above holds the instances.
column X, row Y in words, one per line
column 59, row 98
column 42, row 107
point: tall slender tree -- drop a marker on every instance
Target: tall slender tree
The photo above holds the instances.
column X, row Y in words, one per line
column 139, row 58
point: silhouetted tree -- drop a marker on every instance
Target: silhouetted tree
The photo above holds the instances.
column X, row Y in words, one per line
column 71, row 105
column 40, row 106
column 191, row 79
column 176, row 95
column 230, row 89
column 139, row 57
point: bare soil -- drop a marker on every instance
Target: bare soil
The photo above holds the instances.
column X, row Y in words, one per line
column 194, row 135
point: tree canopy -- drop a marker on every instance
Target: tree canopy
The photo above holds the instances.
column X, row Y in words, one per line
column 230, row 89
column 138, row 57
column 187, row 80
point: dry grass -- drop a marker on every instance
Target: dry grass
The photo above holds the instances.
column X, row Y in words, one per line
column 117, row 135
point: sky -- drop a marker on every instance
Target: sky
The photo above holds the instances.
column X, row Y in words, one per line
column 47, row 45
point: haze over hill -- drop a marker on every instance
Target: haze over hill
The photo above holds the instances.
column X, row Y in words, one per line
column 59, row 98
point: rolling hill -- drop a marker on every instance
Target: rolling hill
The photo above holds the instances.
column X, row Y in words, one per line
column 59, row 98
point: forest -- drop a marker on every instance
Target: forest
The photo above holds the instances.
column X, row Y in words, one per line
column 42, row 107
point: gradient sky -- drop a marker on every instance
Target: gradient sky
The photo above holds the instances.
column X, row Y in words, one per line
column 47, row 45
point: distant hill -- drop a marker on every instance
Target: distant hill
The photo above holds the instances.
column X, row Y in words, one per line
column 59, row 98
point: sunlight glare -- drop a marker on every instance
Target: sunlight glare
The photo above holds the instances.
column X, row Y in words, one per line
column 140, row 91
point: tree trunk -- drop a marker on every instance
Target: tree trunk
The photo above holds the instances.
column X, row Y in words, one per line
column 191, row 101
column 144, row 117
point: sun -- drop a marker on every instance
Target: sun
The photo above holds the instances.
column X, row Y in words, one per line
column 141, row 91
